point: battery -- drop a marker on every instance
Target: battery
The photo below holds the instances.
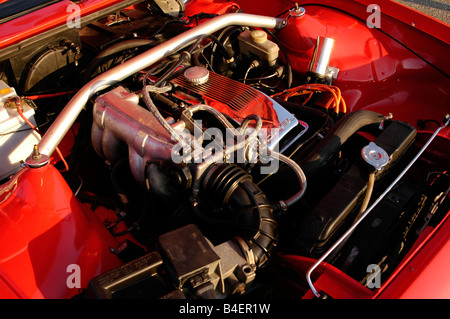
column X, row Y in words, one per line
column 17, row 138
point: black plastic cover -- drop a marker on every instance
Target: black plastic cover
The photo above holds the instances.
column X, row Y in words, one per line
column 137, row 279
column 188, row 252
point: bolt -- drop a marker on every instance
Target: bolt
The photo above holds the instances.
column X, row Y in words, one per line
column 297, row 11
column 36, row 154
column 185, row 56
column 14, row 103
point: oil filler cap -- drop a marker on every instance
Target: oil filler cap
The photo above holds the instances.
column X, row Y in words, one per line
column 196, row 75
column 375, row 155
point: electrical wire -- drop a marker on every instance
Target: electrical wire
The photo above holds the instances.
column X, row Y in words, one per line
column 47, row 96
column 285, row 204
column 261, row 78
column 336, row 101
column 252, row 66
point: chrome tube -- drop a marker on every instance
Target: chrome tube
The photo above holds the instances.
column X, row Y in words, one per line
column 321, row 56
column 64, row 121
column 285, row 204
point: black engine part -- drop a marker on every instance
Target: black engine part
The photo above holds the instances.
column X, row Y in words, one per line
column 337, row 209
column 244, row 205
column 407, row 209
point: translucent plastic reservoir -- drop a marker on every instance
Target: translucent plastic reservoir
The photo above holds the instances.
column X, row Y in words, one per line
column 16, row 136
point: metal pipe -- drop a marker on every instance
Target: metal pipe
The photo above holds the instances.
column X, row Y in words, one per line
column 357, row 222
column 67, row 117
column 285, row 204
column 321, row 56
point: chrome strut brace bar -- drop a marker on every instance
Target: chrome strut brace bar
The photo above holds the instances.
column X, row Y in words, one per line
column 68, row 115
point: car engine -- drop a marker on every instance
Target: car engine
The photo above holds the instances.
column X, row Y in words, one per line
column 209, row 149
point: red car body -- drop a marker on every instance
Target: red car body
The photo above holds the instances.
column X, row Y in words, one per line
column 402, row 68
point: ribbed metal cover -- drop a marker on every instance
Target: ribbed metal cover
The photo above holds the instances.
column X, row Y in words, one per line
column 231, row 97
column 234, row 94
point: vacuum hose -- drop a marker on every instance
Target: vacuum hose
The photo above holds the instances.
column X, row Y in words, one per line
column 327, row 148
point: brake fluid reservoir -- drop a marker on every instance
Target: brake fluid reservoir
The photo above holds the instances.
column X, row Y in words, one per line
column 256, row 42
column 16, row 136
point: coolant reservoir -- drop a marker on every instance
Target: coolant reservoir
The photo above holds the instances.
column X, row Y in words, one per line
column 16, row 136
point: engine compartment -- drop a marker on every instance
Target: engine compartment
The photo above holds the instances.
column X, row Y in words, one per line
column 223, row 154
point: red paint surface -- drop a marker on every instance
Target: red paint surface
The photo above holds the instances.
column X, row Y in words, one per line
column 43, row 230
column 424, row 273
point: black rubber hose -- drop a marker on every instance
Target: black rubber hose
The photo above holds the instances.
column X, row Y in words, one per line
column 188, row 54
column 290, row 75
column 196, row 56
column 112, row 50
column 314, row 163
column 234, row 189
column 228, row 55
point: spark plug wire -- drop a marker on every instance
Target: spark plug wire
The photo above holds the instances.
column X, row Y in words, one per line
column 336, row 101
